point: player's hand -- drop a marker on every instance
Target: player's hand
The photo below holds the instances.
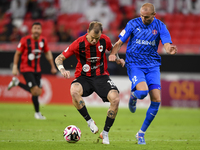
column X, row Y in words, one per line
column 65, row 73
column 53, row 70
column 120, row 62
column 112, row 57
column 15, row 70
column 172, row 50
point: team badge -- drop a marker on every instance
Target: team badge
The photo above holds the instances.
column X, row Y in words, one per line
column 41, row 44
column 100, row 48
column 154, row 32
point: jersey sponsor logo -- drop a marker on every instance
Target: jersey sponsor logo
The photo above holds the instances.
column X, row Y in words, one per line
column 19, row 45
column 30, row 84
column 123, row 32
column 41, row 44
column 154, row 32
column 100, row 48
column 95, row 67
column 93, row 59
column 36, row 53
column 86, row 68
column 145, row 42
column 138, row 29
column 66, row 49
column 31, row 56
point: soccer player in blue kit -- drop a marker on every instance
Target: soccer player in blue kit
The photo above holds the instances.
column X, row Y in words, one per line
column 143, row 62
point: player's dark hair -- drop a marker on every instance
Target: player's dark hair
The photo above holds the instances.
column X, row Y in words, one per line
column 36, row 23
column 96, row 26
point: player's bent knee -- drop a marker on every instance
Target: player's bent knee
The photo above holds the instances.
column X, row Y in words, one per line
column 36, row 91
column 76, row 90
column 115, row 102
column 75, row 94
column 141, row 94
column 113, row 97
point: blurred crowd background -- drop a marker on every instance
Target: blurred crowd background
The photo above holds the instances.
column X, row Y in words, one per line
column 65, row 20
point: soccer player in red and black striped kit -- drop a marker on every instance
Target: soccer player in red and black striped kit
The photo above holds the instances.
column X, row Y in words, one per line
column 92, row 75
column 30, row 49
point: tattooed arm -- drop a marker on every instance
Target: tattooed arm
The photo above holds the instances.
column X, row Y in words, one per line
column 59, row 63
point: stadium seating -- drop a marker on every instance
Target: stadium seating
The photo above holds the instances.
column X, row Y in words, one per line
column 184, row 29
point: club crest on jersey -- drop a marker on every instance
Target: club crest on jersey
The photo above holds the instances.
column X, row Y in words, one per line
column 41, row 44
column 154, row 32
column 100, row 48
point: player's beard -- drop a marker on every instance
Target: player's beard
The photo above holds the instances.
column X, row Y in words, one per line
column 94, row 43
column 148, row 22
column 36, row 35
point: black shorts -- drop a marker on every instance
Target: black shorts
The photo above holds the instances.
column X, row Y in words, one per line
column 99, row 84
column 32, row 79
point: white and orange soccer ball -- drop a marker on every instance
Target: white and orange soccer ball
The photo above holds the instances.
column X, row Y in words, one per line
column 72, row 134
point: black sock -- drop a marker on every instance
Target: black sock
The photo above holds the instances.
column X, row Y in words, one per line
column 35, row 103
column 24, row 86
column 84, row 113
column 109, row 123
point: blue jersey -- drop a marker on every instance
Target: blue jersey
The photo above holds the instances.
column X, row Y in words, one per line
column 143, row 43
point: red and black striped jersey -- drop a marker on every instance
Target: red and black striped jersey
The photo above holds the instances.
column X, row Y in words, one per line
column 91, row 58
column 31, row 52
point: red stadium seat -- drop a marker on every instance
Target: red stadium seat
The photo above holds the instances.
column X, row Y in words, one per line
column 184, row 40
column 195, row 40
column 52, row 38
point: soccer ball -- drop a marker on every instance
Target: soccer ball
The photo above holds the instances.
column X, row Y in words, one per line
column 72, row 134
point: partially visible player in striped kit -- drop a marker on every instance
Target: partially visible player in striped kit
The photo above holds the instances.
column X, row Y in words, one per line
column 143, row 62
column 92, row 75
column 30, row 48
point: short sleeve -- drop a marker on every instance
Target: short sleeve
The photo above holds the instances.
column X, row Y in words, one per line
column 21, row 45
column 108, row 44
column 165, row 35
column 69, row 51
column 125, row 33
column 46, row 47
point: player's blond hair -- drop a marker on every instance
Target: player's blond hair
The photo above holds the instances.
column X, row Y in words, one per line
column 148, row 6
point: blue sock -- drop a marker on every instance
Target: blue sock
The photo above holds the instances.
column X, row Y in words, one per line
column 150, row 115
column 132, row 97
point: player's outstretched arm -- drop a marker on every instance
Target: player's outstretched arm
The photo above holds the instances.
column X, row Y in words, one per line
column 59, row 63
column 49, row 57
column 170, row 49
column 16, row 58
column 119, row 61
column 115, row 50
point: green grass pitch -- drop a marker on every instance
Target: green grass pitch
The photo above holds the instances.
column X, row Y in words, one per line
column 172, row 129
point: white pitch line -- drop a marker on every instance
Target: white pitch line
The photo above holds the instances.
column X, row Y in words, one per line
column 48, row 140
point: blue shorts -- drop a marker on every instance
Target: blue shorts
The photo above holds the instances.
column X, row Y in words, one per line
column 149, row 75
